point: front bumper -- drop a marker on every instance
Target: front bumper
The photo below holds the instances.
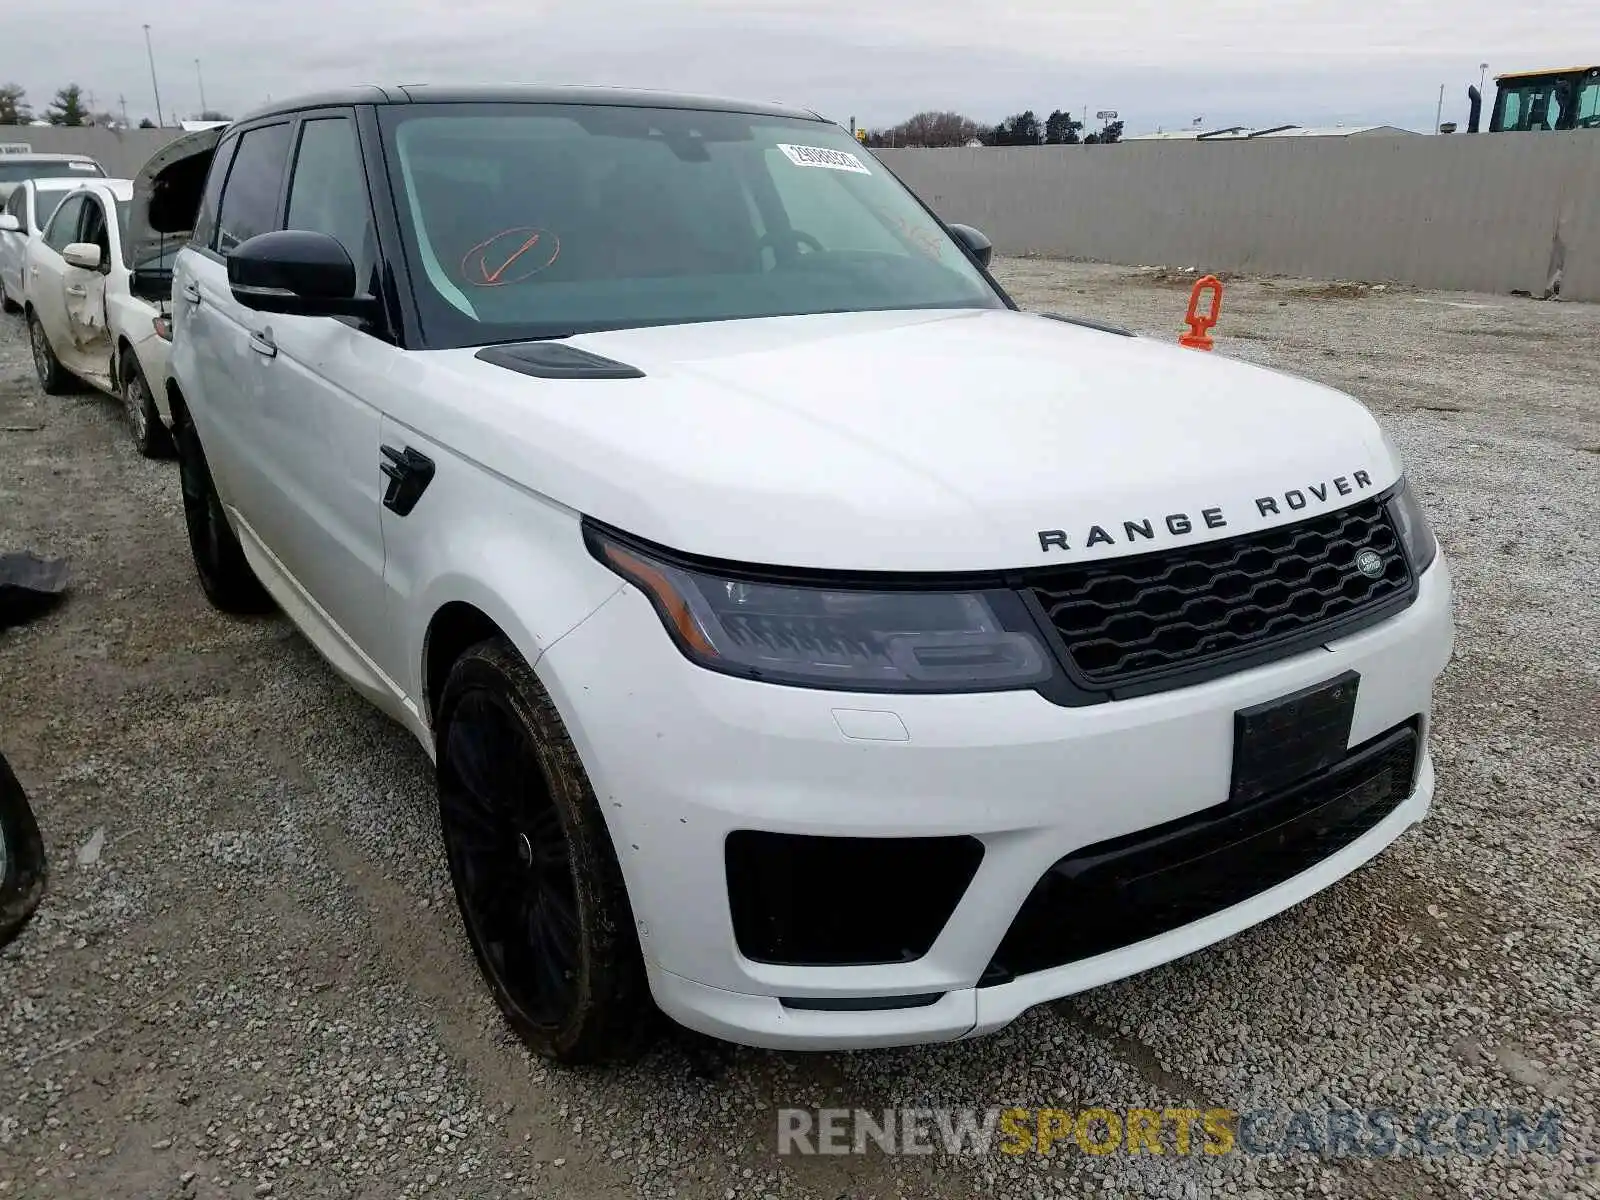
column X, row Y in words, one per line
column 681, row 757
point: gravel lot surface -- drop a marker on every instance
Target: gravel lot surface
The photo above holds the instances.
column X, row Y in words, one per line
column 248, row 977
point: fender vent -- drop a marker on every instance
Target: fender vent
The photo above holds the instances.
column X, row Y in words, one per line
column 553, row 360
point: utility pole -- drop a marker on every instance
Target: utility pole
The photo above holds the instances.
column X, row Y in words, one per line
column 201, row 80
column 1438, row 117
column 154, row 86
column 123, row 100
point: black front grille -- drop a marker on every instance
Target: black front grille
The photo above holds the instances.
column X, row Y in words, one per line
column 1155, row 617
column 1123, row 891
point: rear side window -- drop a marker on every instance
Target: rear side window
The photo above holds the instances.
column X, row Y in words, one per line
column 205, row 222
column 250, row 197
column 63, row 229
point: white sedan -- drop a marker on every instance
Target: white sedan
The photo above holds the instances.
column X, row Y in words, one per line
column 27, row 211
column 85, row 321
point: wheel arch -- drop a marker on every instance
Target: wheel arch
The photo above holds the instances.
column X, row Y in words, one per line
column 122, row 349
column 454, row 629
column 176, row 402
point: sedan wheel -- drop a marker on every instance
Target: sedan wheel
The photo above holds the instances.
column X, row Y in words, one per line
column 144, row 422
column 52, row 375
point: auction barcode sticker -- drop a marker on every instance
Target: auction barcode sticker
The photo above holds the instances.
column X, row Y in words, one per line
column 821, row 156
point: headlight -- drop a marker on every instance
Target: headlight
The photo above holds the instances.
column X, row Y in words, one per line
column 1416, row 535
column 834, row 637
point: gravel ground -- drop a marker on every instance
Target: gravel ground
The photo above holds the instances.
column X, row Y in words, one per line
column 248, row 977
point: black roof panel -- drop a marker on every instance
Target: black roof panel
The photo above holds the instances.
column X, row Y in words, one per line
column 422, row 93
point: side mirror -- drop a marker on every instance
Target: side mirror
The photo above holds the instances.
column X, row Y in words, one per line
column 83, row 255
column 982, row 248
column 298, row 273
column 9, row 224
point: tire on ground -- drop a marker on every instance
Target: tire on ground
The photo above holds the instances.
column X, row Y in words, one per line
column 153, row 441
column 613, row 1017
column 53, row 377
column 225, row 574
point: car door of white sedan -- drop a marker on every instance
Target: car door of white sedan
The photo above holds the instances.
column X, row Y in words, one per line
column 46, row 283
column 86, row 351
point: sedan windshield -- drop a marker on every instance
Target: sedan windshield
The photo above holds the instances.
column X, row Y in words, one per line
column 543, row 220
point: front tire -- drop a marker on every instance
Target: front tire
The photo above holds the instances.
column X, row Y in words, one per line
column 535, row 873
column 139, row 406
column 225, row 574
column 53, row 377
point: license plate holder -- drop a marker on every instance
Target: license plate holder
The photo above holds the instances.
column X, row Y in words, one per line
column 1287, row 739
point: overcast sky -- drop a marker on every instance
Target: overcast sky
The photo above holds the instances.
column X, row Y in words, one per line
column 1157, row 62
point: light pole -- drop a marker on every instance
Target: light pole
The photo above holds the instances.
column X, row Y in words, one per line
column 154, row 86
column 1483, row 75
column 201, row 80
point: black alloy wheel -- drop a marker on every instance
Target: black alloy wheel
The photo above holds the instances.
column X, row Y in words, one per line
column 225, row 574
column 535, row 875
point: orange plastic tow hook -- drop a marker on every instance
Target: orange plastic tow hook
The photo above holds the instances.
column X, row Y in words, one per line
column 1198, row 338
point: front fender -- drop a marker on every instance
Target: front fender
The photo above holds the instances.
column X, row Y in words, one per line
column 477, row 538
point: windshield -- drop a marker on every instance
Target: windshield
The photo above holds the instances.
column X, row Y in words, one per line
column 541, row 220
column 1549, row 103
column 16, row 172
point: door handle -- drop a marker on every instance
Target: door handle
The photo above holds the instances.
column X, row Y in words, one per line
column 261, row 342
column 191, row 293
column 77, row 290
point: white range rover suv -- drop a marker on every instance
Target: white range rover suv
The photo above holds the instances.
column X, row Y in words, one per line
column 808, row 641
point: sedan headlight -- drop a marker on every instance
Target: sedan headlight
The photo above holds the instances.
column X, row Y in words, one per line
column 849, row 639
column 1416, row 535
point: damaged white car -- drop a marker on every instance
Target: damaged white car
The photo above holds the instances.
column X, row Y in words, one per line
column 84, row 320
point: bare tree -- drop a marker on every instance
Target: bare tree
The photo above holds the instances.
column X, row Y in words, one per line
column 928, row 129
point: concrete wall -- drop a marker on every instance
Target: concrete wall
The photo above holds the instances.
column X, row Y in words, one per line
column 1491, row 212
column 120, row 152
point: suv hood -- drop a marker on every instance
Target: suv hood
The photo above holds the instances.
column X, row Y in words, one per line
column 912, row 441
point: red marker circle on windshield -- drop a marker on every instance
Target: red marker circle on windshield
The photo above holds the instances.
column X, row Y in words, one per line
column 510, row 256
